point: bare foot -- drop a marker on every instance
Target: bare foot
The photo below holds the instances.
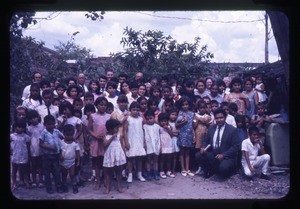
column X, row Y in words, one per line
column 106, row 191
column 120, row 190
column 97, row 186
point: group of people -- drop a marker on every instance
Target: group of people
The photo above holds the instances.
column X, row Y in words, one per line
column 133, row 127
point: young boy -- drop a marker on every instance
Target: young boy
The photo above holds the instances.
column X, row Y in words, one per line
column 253, row 155
column 50, row 146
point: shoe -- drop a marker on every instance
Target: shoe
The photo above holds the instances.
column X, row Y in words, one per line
column 49, row 190
column 198, row 172
column 264, row 176
column 140, row 176
column 75, row 189
column 129, row 178
column 190, row 173
column 170, row 174
column 183, row 173
column 34, row 185
column 162, row 175
column 93, row 178
column 41, row 185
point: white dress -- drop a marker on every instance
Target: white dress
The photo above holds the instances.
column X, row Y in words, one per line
column 34, row 133
column 135, row 136
column 152, row 138
column 114, row 154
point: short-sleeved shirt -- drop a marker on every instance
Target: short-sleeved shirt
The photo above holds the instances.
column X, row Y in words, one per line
column 51, row 139
column 252, row 150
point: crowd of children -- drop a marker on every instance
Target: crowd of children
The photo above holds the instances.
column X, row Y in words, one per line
column 148, row 130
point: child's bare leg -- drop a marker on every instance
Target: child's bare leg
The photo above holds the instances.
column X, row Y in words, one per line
column 107, row 177
column 14, row 176
column 118, row 170
column 97, row 183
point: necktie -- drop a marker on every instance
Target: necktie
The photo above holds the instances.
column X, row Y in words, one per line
column 48, row 108
column 218, row 137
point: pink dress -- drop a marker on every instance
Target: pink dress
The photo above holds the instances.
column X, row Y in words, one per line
column 235, row 97
column 96, row 145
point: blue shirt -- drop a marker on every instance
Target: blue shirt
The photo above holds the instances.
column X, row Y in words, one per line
column 51, row 139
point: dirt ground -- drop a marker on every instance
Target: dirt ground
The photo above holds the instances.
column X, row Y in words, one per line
column 178, row 188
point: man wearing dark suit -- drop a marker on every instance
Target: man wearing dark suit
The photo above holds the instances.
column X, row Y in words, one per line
column 220, row 157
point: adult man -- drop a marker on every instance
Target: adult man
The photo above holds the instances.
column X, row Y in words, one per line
column 220, row 157
column 122, row 78
column 36, row 78
column 139, row 77
column 81, row 81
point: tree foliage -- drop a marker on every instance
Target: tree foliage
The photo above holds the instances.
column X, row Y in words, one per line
column 154, row 52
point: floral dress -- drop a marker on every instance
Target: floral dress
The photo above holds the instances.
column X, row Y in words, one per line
column 186, row 131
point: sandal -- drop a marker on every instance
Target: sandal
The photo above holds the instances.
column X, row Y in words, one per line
column 190, row 173
column 183, row 173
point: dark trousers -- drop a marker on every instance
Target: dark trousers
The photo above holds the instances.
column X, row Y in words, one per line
column 51, row 165
column 209, row 163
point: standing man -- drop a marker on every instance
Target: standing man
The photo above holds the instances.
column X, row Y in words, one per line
column 81, row 82
column 36, row 78
column 222, row 143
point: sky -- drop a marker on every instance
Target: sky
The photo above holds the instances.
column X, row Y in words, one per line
column 232, row 36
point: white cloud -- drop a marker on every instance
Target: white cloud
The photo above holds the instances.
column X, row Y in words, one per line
column 229, row 42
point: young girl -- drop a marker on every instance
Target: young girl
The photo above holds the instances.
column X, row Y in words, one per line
column 173, row 114
column 236, row 96
column 121, row 114
column 114, row 156
column 35, row 98
column 88, row 110
column 69, row 157
column 184, row 123
column 19, row 145
column 134, row 140
column 152, row 104
column 260, row 89
column 152, row 140
column 253, row 96
column 72, row 93
column 166, row 144
column 94, row 88
column 201, row 125
column 34, row 130
column 143, row 102
column 66, row 111
column 97, row 131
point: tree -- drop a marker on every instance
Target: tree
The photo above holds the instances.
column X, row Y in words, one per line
column 154, row 52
